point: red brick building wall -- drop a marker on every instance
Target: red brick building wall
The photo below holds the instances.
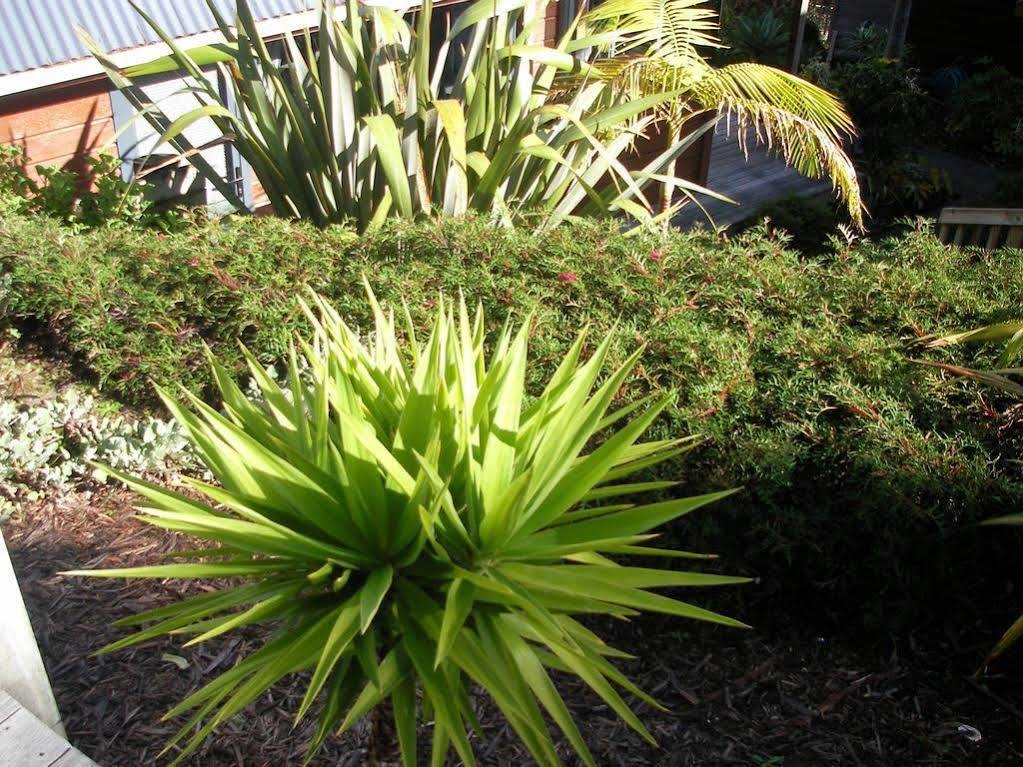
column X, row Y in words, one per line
column 60, row 125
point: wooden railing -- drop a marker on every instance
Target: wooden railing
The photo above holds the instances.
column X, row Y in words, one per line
column 988, row 227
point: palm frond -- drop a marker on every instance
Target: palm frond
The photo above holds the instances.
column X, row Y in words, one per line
column 757, row 82
column 657, row 48
column 672, row 30
column 804, row 123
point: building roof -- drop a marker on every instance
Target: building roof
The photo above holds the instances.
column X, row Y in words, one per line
column 41, row 33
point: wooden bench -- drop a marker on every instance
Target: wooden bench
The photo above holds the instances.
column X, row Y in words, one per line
column 988, row 227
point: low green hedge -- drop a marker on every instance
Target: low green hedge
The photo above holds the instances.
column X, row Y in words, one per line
column 863, row 474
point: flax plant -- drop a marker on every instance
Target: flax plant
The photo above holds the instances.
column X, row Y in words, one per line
column 367, row 116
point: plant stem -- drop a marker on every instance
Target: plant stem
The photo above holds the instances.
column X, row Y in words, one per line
column 381, row 736
column 667, row 190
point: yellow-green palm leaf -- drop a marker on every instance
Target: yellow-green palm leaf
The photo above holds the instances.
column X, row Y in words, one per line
column 657, row 47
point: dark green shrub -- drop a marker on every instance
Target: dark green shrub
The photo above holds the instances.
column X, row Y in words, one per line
column 984, row 115
column 900, row 185
column 862, row 473
column 757, row 35
column 887, row 103
column 890, row 108
column 763, row 33
column 868, row 41
column 808, row 221
column 1008, row 192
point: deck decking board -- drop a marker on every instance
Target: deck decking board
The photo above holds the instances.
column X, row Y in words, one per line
column 27, row 742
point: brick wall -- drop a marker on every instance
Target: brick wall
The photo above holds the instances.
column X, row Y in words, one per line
column 60, row 126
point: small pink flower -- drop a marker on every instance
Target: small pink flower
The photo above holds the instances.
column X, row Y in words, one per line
column 655, row 255
column 568, row 278
column 193, row 261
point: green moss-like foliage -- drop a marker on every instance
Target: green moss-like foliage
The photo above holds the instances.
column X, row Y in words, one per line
column 863, row 471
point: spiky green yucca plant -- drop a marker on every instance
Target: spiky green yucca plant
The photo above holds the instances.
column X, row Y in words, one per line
column 414, row 522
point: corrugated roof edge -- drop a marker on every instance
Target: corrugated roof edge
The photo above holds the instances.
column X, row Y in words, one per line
column 42, row 33
column 85, row 67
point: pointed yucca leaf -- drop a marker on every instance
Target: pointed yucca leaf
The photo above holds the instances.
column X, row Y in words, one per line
column 211, row 601
column 191, row 571
column 392, row 671
column 499, row 448
column 613, row 491
column 403, row 706
column 589, row 639
column 341, row 692
column 571, row 422
column 562, row 576
column 1009, row 638
column 589, row 513
column 372, row 595
column 294, row 654
column 385, row 458
column 645, row 455
column 225, row 682
column 532, row 729
column 245, row 465
column 605, row 667
column 471, row 655
column 624, row 523
column 536, row 677
column 186, row 613
column 585, row 668
column 366, row 655
column 582, row 478
column 548, row 553
column 559, row 603
column 613, row 591
column 457, row 607
column 1008, row 519
column 268, row 609
column 254, row 538
column 342, row 633
column 435, row 686
column 649, row 551
column 313, row 547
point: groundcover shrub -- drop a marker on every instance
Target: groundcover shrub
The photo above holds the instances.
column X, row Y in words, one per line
column 408, row 520
column 862, row 471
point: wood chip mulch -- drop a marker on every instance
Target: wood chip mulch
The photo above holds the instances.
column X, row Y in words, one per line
column 775, row 697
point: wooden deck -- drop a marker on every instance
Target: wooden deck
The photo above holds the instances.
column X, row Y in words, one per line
column 27, row 742
column 750, row 181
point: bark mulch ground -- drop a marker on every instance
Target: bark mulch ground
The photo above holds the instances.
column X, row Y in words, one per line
column 784, row 697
